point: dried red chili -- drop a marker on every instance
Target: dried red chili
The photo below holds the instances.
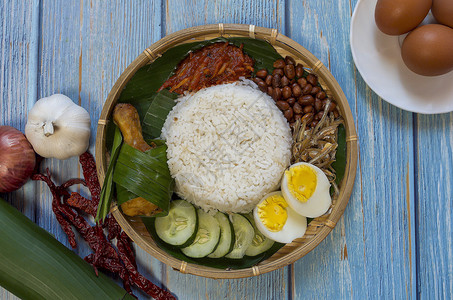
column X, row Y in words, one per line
column 138, row 279
column 90, row 175
column 72, row 182
column 127, row 244
column 78, row 201
column 113, row 228
column 120, row 261
column 56, row 207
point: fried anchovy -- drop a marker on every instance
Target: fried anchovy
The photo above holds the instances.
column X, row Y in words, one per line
column 318, row 145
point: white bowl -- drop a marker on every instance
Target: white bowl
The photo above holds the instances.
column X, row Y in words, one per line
column 378, row 58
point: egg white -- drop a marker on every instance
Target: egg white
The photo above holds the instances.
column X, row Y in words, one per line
column 318, row 203
column 294, row 228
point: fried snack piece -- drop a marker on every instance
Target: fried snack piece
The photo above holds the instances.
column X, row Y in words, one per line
column 126, row 118
column 140, row 207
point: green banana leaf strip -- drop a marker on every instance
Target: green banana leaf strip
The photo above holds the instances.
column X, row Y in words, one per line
column 219, row 263
column 108, row 187
column 122, row 194
column 157, row 113
column 34, row 265
column 145, row 174
column 339, row 164
column 154, row 160
column 142, row 88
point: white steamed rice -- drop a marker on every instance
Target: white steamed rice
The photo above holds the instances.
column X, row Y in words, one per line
column 228, row 146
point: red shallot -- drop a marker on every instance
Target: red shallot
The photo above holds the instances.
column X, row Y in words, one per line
column 17, row 159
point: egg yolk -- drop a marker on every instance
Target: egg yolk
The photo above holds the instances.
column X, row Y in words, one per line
column 302, row 182
column 272, row 212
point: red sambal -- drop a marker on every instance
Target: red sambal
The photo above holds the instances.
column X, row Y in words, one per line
column 211, row 65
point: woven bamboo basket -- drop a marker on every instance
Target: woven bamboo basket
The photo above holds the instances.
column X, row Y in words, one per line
column 318, row 229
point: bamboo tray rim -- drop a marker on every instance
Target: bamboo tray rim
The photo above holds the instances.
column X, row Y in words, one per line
column 278, row 41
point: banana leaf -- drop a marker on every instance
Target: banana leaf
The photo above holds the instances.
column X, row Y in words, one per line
column 122, row 194
column 157, row 112
column 339, row 164
column 145, row 174
column 218, row 263
column 34, row 265
column 108, row 187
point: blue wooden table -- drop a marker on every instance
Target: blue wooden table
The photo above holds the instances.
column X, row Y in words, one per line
column 395, row 237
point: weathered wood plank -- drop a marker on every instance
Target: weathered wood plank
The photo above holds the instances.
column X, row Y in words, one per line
column 86, row 46
column 264, row 13
column 15, row 37
column 261, row 13
column 17, row 59
column 368, row 254
column 435, row 205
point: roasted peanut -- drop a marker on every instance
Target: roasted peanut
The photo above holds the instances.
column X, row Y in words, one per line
column 261, row 73
column 297, row 90
column 289, row 60
column 286, row 92
column 283, row 105
column 312, row 79
column 315, row 90
column 290, row 72
column 302, row 82
column 277, row 94
column 308, row 109
column 306, row 100
column 262, row 85
column 270, row 91
column 318, row 104
column 278, row 71
column 288, row 114
column 268, row 79
column 299, row 70
column 332, row 107
column 321, row 95
column 284, row 81
column 297, row 108
column 279, row 63
column 276, row 80
column 307, row 89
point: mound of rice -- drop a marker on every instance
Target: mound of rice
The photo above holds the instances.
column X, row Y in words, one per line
column 228, row 146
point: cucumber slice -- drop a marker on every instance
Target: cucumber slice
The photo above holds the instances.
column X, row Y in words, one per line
column 226, row 242
column 178, row 228
column 260, row 243
column 244, row 233
column 207, row 237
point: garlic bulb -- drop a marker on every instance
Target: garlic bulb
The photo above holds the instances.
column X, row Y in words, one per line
column 57, row 127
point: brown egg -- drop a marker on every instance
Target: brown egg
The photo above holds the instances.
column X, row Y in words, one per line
column 443, row 11
column 428, row 50
column 397, row 17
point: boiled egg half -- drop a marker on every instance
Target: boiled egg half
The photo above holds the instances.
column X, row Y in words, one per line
column 276, row 220
column 305, row 188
